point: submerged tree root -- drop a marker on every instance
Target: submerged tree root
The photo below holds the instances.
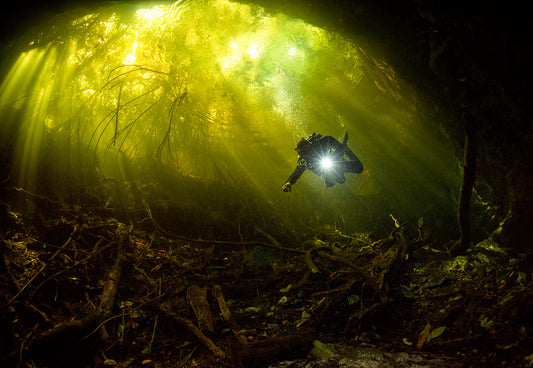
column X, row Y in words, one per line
column 217, row 352
column 186, row 302
column 66, row 334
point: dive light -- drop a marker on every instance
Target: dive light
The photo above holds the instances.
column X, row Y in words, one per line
column 326, row 163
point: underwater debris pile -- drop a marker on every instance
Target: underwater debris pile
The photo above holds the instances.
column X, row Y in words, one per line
column 81, row 286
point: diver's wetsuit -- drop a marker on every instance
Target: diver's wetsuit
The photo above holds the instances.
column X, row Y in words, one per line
column 311, row 152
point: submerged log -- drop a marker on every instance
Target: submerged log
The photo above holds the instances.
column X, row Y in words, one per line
column 285, row 347
column 197, row 298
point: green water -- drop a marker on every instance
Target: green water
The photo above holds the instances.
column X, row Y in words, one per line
column 219, row 93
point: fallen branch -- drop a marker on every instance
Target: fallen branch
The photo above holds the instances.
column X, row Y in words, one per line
column 73, row 331
column 359, row 272
column 45, row 265
column 469, row 176
column 309, row 258
column 111, row 284
column 273, row 244
column 196, row 331
column 197, row 298
column 76, row 264
column 109, row 293
column 226, row 314
column 284, row 347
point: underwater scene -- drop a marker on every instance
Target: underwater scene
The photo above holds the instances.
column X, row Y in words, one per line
column 219, row 93
column 209, row 183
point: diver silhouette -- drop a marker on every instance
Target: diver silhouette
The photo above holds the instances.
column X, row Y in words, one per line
column 324, row 155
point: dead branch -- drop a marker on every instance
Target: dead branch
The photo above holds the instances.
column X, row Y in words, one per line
column 45, row 265
column 109, row 293
column 226, row 314
column 469, row 176
column 290, row 346
column 197, row 298
column 273, row 242
column 111, row 284
column 77, row 329
column 156, row 317
column 196, row 331
column 309, row 258
column 359, row 272
column 76, row 264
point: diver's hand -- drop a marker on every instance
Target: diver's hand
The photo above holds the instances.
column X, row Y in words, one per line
column 286, row 187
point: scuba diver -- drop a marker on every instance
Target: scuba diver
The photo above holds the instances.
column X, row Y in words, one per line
column 324, row 155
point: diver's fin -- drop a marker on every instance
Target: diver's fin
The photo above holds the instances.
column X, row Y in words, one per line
column 345, row 140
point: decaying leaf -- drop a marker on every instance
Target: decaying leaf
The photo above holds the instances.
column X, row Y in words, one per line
column 422, row 338
column 436, row 332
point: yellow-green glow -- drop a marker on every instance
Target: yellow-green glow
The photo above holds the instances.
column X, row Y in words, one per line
column 212, row 86
column 205, row 58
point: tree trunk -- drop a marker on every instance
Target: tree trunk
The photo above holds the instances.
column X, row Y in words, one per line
column 469, row 174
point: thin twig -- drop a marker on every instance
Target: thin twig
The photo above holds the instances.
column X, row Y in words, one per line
column 91, row 255
column 359, row 272
column 156, row 315
column 44, row 266
column 159, row 228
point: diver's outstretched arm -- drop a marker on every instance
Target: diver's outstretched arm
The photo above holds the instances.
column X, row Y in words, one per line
column 300, row 168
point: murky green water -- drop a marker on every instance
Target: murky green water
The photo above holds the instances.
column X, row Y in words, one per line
column 221, row 92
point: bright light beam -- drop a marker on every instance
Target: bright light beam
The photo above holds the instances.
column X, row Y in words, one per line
column 326, row 163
